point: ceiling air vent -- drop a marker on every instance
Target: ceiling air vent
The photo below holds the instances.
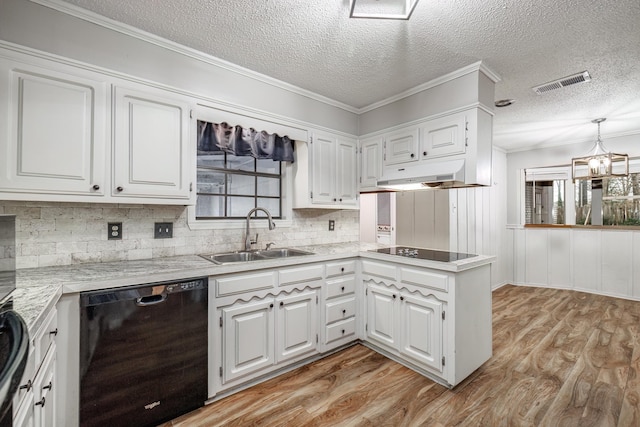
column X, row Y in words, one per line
column 582, row 77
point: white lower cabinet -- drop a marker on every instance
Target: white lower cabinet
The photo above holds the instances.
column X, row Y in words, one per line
column 407, row 323
column 34, row 404
column 260, row 335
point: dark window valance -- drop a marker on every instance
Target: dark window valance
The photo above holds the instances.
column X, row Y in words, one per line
column 239, row 141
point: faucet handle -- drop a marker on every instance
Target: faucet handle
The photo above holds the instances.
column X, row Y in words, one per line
column 268, row 246
column 254, row 241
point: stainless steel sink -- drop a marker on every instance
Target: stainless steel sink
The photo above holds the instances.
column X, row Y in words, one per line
column 246, row 256
column 283, row 253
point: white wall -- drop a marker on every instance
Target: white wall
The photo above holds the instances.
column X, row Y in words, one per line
column 39, row 27
column 603, row 261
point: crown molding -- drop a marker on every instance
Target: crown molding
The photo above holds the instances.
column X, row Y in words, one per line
column 131, row 31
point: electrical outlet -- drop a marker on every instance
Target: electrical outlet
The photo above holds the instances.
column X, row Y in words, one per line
column 332, row 225
column 163, row 230
column 114, row 231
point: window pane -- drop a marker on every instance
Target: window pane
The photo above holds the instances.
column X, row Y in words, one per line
column 545, row 202
column 210, row 181
column 267, row 166
column 621, row 200
column 210, row 206
column 272, row 205
column 268, row 187
column 583, row 202
column 241, row 184
column 241, row 163
column 240, row 206
column 211, row 160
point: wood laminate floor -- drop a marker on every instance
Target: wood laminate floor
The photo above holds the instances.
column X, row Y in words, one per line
column 560, row 358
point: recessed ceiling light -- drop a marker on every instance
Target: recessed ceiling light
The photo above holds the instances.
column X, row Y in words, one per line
column 504, row 102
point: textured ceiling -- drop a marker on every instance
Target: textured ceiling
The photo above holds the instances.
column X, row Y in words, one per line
column 314, row 45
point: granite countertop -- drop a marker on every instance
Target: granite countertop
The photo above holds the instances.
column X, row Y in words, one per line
column 39, row 289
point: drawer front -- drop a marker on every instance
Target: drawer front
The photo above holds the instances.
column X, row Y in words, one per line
column 340, row 268
column 424, row 278
column 340, row 309
column 340, row 330
column 238, row 284
column 45, row 336
column 300, row 274
column 379, row 269
column 340, row 287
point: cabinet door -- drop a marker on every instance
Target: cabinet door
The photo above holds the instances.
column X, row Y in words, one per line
column 370, row 162
column 45, row 389
column 151, row 147
column 247, row 339
column 347, row 172
column 444, row 136
column 381, row 314
column 421, row 330
column 401, row 146
column 296, row 325
column 323, row 168
column 53, row 131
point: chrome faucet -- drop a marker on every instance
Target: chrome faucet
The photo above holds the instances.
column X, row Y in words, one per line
column 247, row 240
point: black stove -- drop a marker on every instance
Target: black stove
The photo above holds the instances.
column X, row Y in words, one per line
column 426, row 254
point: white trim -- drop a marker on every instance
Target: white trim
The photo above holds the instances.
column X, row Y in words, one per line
column 477, row 66
column 129, row 30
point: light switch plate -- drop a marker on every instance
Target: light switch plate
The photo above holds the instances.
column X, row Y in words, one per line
column 163, row 230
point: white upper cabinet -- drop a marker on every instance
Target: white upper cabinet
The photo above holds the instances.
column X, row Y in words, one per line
column 444, row 136
column 326, row 172
column 401, row 146
column 370, row 162
column 54, row 130
column 151, row 143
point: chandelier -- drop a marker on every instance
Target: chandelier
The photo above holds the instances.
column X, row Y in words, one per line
column 600, row 163
column 382, row 9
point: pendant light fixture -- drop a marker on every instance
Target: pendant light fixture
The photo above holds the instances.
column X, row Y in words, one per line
column 382, row 9
column 600, row 163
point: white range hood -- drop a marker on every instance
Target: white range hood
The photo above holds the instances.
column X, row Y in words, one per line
column 442, row 174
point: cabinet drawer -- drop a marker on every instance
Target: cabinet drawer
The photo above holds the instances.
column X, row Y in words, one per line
column 340, row 309
column 247, row 282
column 429, row 279
column 45, row 336
column 341, row 330
column 339, row 287
column 301, row 274
column 379, row 269
column 340, row 268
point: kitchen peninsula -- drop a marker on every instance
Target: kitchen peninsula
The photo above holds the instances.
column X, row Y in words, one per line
column 434, row 317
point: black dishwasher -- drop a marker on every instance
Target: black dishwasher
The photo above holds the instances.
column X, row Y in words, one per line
column 143, row 353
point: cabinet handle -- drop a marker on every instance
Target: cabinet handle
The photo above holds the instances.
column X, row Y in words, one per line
column 41, row 403
column 270, row 305
column 344, row 312
column 335, row 200
column 48, row 386
column 281, row 303
column 96, row 187
column 340, row 199
column 119, row 189
column 342, row 334
column 342, row 288
column 54, row 332
column 424, row 153
column 342, row 269
column 28, row 386
column 394, row 296
column 401, row 298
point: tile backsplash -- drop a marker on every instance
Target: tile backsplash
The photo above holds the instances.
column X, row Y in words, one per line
column 49, row 233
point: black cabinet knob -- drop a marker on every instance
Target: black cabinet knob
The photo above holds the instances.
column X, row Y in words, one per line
column 394, row 296
column 119, row 189
column 54, row 332
column 48, row 386
column 343, row 332
column 281, row 303
column 344, row 312
column 412, row 155
column 424, row 153
column 401, row 298
column 342, row 288
column 27, row 386
column 270, row 305
column 342, row 269
column 96, row 187
column 41, row 403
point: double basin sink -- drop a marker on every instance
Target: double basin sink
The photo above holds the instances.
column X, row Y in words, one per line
column 246, row 256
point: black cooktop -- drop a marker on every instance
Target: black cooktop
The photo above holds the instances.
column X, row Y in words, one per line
column 426, row 254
